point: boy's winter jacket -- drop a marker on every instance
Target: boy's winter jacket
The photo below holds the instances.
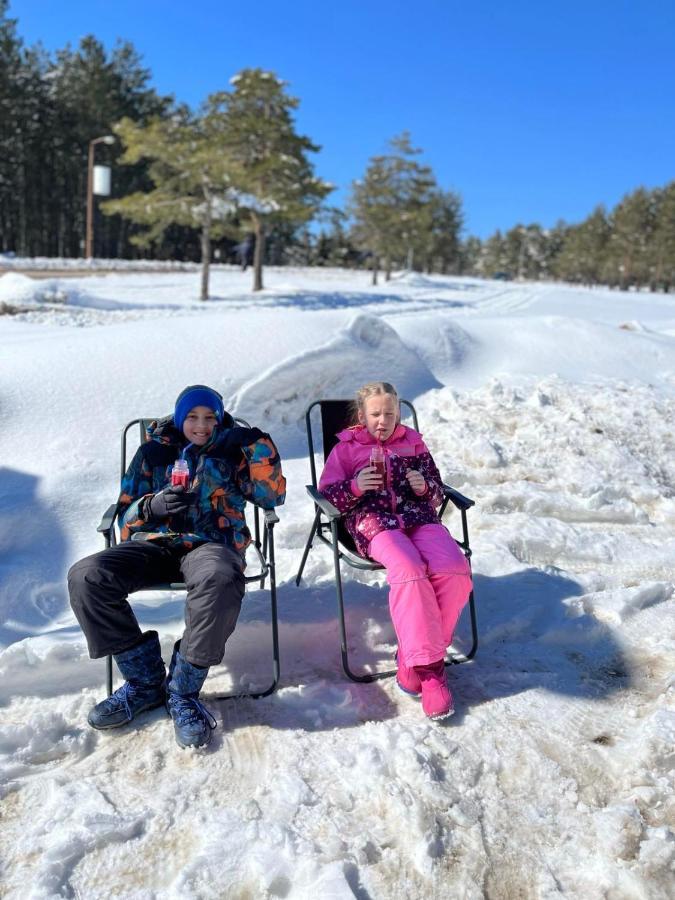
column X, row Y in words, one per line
column 237, row 464
column 397, row 505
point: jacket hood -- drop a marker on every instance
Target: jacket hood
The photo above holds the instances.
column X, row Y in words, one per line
column 361, row 435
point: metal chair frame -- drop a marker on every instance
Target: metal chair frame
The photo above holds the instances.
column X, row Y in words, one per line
column 264, row 550
column 326, row 527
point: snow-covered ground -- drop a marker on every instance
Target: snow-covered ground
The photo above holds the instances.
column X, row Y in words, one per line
column 553, row 407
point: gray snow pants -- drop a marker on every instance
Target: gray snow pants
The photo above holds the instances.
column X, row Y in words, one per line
column 213, row 574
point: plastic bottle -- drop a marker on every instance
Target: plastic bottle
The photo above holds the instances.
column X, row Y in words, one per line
column 180, row 474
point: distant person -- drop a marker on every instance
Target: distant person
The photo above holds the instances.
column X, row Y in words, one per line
column 177, row 526
column 390, row 510
column 244, row 252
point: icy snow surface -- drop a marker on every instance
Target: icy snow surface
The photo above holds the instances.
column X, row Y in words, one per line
column 553, row 407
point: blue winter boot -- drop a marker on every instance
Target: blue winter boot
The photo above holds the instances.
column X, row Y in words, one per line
column 144, row 671
column 192, row 721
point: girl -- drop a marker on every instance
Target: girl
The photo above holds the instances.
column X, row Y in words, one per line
column 393, row 520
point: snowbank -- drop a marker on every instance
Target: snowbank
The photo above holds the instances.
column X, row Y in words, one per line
column 554, row 778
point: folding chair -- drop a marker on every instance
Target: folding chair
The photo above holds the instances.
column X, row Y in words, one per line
column 329, row 528
column 264, row 551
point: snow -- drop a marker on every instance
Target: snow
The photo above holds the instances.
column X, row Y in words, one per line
column 552, row 406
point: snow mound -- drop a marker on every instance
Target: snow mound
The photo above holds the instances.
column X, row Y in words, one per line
column 25, row 291
column 16, row 288
column 367, row 349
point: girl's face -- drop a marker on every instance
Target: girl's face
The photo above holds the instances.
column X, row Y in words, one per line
column 380, row 415
column 199, row 424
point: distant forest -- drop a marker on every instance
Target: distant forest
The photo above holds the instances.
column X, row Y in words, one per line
column 397, row 215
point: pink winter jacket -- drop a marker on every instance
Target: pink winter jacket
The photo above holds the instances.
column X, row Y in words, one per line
column 397, row 505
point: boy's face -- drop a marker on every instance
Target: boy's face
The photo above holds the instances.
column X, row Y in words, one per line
column 380, row 415
column 199, row 424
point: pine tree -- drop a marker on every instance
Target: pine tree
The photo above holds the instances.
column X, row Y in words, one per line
column 273, row 178
column 583, row 256
column 441, row 249
column 191, row 176
column 662, row 266
column 92, row 91
column 392, row 206
column 632, row 222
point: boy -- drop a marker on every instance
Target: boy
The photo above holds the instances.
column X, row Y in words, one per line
column 169, row 534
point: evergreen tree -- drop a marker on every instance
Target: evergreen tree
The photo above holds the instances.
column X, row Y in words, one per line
column 496, row 257
column 633, row 223
column 92, row 91
column 334, row 246
column 662, row 257
column 583, row 255
column 273, row 178
column 392, row 206
column 469, row 257
column 191, row 176
column 50, row 108
column 441, row 244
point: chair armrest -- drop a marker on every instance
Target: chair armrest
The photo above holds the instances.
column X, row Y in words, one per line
column 108, row 519
column 271, row 518
column 459, row 500
column 324, row 505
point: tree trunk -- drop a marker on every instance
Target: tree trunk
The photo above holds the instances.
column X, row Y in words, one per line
column 258, row 253
column 375, row 270
column 387, row 268
column 206, row 258
column 206, row 247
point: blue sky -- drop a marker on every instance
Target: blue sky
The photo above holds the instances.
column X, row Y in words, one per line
column 531, row 111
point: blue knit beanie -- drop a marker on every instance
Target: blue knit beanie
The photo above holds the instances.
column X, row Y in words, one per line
column 197, row 395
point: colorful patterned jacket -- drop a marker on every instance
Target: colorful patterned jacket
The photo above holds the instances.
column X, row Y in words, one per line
column 236, row 465
column 397, row 505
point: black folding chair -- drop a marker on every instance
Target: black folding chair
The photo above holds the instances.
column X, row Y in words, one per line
column 329, row 528
column 264, row 550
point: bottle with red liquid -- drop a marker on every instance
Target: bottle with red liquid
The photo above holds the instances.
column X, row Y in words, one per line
column 180, row 474
column 378, row 463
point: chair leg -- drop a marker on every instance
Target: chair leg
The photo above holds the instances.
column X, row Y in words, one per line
column 109, row 674
column 367, row 677
column 465, row 657
column 276, row 664
column 455, row 660
column 308, row 546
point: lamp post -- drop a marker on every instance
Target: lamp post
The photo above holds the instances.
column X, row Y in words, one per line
column 89, row 237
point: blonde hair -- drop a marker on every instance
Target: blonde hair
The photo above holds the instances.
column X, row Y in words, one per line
column 372, row 389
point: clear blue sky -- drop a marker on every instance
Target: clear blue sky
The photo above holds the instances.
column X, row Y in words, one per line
column 532, row 111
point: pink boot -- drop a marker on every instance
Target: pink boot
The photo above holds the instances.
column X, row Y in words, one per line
column 407, row 679
column 436, row 698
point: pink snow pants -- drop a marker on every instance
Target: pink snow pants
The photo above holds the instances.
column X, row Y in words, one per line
column 430, row 582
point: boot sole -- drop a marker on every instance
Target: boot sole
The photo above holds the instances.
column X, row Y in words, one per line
column 126, row 721
column 193, row 746
column 438, row 717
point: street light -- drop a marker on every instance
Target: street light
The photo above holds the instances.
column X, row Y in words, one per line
column 89, row 242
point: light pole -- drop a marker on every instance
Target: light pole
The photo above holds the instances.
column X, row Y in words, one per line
column 89, row 237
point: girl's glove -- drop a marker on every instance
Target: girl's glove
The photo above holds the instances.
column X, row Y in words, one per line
column 167, row 503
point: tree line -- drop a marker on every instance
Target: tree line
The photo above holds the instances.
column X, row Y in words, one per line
column 198, row 184
column 630, row 246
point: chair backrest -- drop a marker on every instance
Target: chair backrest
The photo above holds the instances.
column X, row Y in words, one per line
column 142, row 437
column 335, row 416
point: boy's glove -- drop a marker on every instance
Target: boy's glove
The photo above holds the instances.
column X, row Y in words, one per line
column 169, row 502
